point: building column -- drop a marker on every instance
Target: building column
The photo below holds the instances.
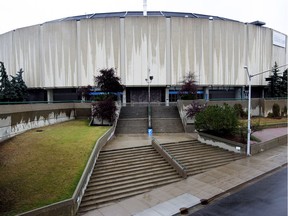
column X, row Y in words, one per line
column 238, row 93
column 167, row 96
column 124, row 98
column 122, row 50
column 206, row 93
column 50, row 95
column 168, row 51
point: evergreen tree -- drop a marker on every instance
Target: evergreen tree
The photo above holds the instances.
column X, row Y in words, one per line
column 283, row 84
column 5, row 85
column 274, row 85
column 19, row 89
column 14, row 90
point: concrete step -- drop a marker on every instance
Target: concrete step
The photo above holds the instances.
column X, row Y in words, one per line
column 94, row 204
column 215, row 157
column 107, row 176
column 133, row 112
column 198, row 152
column 207, row 161
column 126, row 154
column 167, row 125
column 123, row 177
column 204, row 168
column 123, row 173
column 128, row 168
column 132, row 126
column 112, row 195
column 198, row 157
column 114, row 161
column 129, row 149
column 125, row 185
column 131, row 164
column 194, row 148
column 165, row 112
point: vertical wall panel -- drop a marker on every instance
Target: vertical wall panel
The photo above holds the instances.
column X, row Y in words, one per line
column 136, row 50
column 229, row 48
column 59, row 46
column 145, row 48
column 190, row 49
column 157, row 49
column 6, row 52
column 259, row 52
column 99, row 47
column 27, row 54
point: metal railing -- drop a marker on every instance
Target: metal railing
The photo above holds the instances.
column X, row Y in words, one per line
column 181, row 169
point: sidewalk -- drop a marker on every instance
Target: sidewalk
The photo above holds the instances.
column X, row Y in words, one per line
column 167, row 200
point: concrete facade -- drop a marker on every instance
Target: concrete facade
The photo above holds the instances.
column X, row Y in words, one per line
column 67, row 53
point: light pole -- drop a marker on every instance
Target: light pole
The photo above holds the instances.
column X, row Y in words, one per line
column 149, row 80
column 249, row 112
column 249, row 104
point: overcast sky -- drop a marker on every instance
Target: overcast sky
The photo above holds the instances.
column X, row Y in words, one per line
column 20, row 13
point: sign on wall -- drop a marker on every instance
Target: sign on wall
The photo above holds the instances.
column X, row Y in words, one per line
column 279, row 39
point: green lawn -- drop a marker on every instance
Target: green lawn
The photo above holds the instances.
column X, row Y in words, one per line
column 44, row 165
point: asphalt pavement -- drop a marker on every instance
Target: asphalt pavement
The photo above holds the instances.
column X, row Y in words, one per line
column 263, row 198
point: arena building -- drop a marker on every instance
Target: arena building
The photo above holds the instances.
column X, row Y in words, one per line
column 61, row 55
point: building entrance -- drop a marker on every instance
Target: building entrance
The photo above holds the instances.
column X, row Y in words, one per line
column 140, row 95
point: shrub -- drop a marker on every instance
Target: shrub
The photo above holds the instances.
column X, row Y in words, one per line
column 270, row 115
column 276, row 110
column 242, row 130
column 194, row 108
column 105, row 110
column 239, row 111
column 217, row 119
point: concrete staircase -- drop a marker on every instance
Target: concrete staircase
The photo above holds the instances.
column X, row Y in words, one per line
column 198, row 157
column 166, row 119
column 133, row 120
column 124, row 173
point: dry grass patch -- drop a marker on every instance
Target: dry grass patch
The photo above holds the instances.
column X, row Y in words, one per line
column 43, row 166
column 266, row 121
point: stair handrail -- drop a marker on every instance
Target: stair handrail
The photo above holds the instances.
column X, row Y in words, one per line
column 181, row 169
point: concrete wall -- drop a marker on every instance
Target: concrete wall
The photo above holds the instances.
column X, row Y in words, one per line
column 68, row 53
column 15, row 119
column 239, row 147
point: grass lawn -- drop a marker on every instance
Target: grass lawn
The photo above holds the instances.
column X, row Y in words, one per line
column 44, row 165
column 266, row 121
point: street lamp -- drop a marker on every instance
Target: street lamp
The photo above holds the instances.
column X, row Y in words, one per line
column 149, row 80
column 249, row 104
column 249, row 111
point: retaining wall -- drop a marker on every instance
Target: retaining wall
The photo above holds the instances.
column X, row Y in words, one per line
column 239, row 147
column 18, row 118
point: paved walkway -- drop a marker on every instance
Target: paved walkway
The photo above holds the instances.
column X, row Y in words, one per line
column 167, row 200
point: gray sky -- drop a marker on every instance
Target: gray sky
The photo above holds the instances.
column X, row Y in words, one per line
column 20, row 13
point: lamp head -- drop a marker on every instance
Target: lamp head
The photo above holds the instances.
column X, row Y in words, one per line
column 151, row 78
